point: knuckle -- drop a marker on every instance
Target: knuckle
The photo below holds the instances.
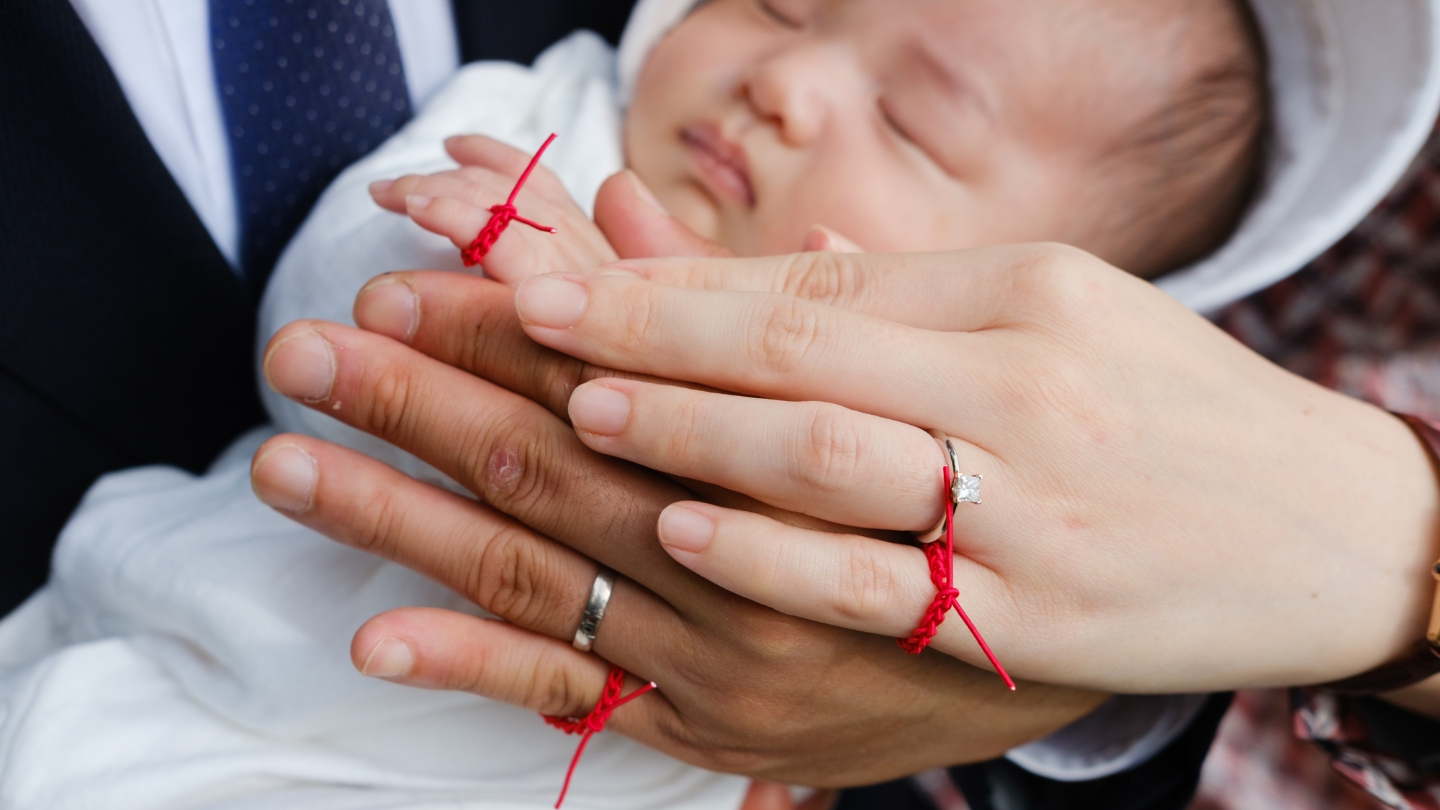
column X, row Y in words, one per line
column 1054, row 277
column 384, row 408
column 821, row 277
column 784, row 336
column 835, row 449
column 638, row 314
column 561, row 693
column 518, row 476
column 376, row 523
column 868, row 587
column 509, row 578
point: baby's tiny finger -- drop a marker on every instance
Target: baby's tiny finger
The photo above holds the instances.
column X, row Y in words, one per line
column 384, row 193
column 455, row 220
column 488, row 153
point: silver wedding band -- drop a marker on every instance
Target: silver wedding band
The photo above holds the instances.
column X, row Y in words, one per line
column 958, row 480
column 600, row 591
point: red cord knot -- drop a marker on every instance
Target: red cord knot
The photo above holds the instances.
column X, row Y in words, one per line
column 502, row 215
column 941, row 557
column 594, row 722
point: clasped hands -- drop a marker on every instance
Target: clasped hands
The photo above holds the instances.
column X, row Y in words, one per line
column 1160, row 510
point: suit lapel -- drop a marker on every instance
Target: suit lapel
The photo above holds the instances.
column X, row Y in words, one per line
column 118, row 308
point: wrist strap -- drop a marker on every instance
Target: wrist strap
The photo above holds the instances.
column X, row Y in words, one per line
column 1423, row 659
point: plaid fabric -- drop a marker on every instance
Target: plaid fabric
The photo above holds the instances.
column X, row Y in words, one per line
column 1363, row 319
column 1258, row 763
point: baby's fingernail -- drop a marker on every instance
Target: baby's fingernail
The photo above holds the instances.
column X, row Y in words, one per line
column 388, row 306
column 381, row 186
column 285, row 479
column 643, row 192
column 415, row 202
column 551, row 301
column 685, row 529
column 302, row 367
column 597, row 408
column 391, row 658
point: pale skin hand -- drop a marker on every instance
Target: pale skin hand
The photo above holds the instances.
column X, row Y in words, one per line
column 743, row 688
column 1164, row 511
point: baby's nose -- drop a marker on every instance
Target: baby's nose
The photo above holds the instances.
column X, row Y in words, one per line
column 800, row 88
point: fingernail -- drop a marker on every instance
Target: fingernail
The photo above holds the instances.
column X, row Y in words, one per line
column 596, row 408
column 302, row 367
column 551, row 301
column 685, row 529
column 285, row 478
column 417, row 202
column 388, row 306
column 643, row 192
column 381, row 186
column 390, row 658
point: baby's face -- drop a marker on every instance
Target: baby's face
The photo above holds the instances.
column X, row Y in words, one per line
column 902, row 124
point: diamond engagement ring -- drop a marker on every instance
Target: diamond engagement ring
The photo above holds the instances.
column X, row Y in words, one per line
column 963, row 488
column 600, row 591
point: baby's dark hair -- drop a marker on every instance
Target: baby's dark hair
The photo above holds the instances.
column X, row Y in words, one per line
column 1185, row 176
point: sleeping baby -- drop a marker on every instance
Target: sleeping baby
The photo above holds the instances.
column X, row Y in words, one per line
column 191, row 648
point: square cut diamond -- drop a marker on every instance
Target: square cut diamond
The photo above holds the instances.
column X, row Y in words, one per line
column 966, row 488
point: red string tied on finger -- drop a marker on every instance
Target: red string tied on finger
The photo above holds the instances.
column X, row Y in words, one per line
column 502, row 215
column 594, row 722
column 941, row 557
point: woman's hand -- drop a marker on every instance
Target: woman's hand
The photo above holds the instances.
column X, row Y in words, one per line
column 1163, row 509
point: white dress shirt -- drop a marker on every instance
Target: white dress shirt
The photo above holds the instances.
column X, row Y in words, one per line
column 160, row 52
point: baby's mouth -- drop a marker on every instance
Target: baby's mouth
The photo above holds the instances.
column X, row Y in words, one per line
column 721, row 162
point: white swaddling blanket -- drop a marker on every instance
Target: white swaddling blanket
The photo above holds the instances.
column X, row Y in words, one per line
column 191, row 648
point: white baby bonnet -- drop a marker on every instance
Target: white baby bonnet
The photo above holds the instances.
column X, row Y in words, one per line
column 1356, row 89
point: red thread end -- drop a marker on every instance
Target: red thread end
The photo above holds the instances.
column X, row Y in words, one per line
column 594, row 722
column 502, row 215
column 941, row 557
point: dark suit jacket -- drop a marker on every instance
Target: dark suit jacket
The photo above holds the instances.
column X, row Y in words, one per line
column 125, row 339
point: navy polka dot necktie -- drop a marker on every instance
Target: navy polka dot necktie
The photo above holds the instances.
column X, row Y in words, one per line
column 307, row 87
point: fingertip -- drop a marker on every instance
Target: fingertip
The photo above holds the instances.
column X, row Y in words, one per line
column 388, row 659
column 388, row 306
column 284, row 476
column 379, row 187
column 685, row 528
column 417, row 202
column 599, row 409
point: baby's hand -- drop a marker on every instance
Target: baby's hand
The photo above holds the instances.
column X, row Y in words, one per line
column 456, row 204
